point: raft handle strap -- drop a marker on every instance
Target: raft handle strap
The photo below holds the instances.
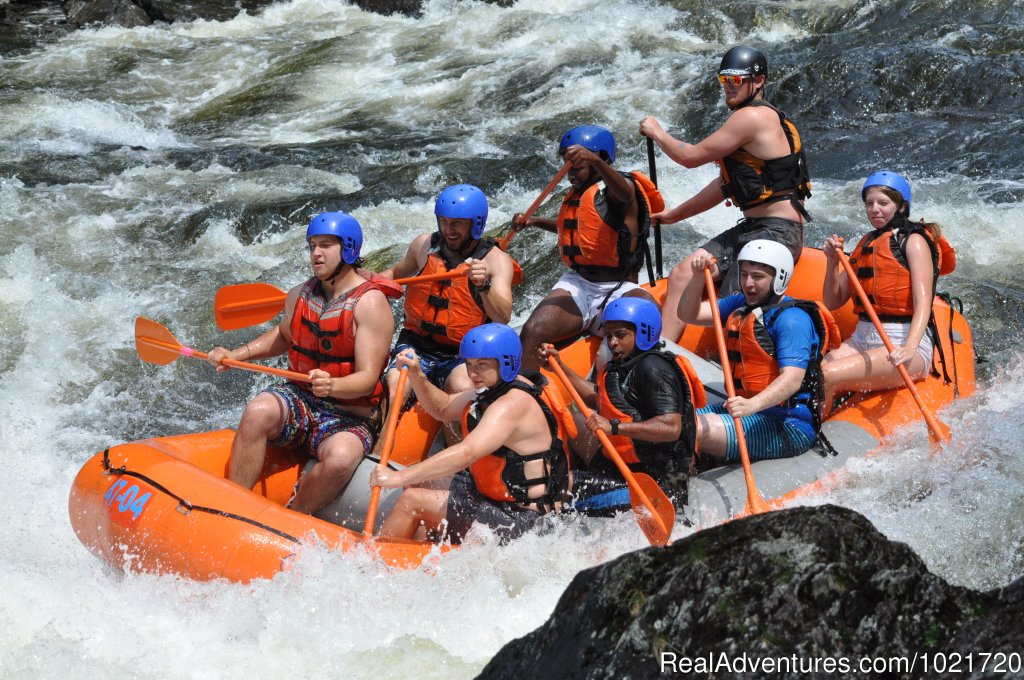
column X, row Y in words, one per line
column 826, row 445
column 107, row 470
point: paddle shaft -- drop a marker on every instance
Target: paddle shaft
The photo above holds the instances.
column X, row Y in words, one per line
column 440, row 276
column 656, row 223
column 244, row 365
column 385, row 450
column 755, row 503
column 507, row 238
column 607, row 444
column 937, row 430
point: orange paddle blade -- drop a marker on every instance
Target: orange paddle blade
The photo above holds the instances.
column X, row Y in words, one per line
column 154, row 342
column 247, row 304
column 657, row 532
column 938, row 431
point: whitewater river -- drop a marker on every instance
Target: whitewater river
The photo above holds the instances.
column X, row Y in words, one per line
column 142, row 169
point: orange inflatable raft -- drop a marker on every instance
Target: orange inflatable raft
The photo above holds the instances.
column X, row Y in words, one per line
column 163, row 505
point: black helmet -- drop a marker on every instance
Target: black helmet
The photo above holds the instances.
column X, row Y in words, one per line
column 743, row 61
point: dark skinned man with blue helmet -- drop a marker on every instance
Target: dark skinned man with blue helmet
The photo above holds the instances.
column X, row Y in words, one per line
column 644, row 401
column 602, row 227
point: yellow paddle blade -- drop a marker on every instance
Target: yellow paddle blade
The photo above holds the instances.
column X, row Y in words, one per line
column 651, row 527
column 154, row 342
column 247, row 304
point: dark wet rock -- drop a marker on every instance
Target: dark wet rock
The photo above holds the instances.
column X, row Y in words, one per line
column 406, row 7
column 801, row 584
column 107, row 12
column 130, row 13
column 190, row 10
column 23, row 23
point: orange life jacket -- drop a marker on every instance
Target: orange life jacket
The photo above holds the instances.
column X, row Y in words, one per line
column 611, row 403
column 593, row 237
column 445, row 311
column 749, row 181
column 500, row 475
column 323, row 332
column 883, row 271
column 751, row 351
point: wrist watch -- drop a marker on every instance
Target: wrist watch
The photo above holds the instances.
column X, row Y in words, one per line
column 615, row 425
column 486, row 287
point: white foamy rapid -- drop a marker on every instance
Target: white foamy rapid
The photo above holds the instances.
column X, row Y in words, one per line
column 128, row 158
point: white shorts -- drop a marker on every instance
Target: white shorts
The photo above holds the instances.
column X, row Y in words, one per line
column 866, row 337
column 590, row 297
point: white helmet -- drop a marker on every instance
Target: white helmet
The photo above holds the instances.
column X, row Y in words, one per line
column 773, row 254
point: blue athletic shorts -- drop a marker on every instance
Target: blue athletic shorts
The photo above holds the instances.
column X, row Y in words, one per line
column 767, row 437
column 311, row 420
column 437, row 367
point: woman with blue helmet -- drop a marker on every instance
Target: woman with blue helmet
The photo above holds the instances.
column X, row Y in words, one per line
column 512, row 446
column 439, row 313
column 644, row 401
column 334, row 419
column 897, row 263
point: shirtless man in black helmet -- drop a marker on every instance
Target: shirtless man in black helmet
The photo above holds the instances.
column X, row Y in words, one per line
column 762, row 171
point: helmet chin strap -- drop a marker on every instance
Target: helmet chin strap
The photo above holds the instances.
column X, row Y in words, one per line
column 752, row 97
column 496, row 390
column 337, row 272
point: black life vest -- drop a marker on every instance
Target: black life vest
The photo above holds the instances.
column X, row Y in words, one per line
column 612, row 403
column 749, row 181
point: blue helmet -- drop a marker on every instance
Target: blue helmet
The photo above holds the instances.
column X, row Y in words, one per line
column 642, row 313
column 342, row 226
column 893, row 180
column 463, row 201
column 494, row 341
column 592, row 137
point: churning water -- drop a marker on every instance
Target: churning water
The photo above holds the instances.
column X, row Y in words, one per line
column 142, row 169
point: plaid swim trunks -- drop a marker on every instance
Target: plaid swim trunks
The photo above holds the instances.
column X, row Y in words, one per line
column 311, row 420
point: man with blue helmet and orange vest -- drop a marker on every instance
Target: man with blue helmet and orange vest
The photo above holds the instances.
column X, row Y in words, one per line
column 644, row 400
column 775, row 346
column 602, row 228
column 337, row 329
column 762, row 171
column 438, row 314
column 513, row 447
